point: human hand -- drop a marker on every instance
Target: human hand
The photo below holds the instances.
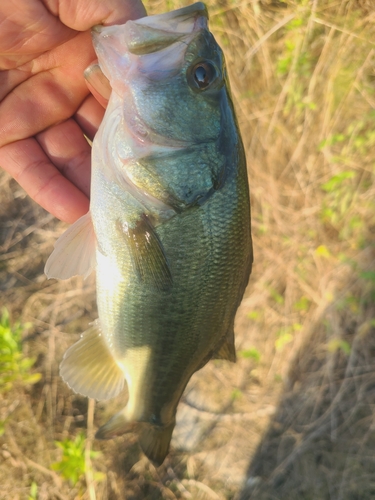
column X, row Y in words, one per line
column 45, row 104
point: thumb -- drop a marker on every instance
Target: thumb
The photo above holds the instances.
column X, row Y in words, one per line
column 82, row 15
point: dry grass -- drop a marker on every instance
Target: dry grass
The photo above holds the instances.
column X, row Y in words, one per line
column 294, row 419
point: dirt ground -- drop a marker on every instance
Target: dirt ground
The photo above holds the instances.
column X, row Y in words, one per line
column 294, row 418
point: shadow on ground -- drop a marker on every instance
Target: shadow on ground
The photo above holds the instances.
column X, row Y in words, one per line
column 320, row 443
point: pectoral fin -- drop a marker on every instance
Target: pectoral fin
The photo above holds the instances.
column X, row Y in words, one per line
column 147, row 253
column 226, row 350
column 74, row 252
column 89, row 368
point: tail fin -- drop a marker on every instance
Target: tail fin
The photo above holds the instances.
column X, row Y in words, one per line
column 155, row 441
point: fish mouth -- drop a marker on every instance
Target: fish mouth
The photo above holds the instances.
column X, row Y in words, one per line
column 174, row 24
column 148, row 34
column 153, row 45
column 177, row 17
column 154, row 33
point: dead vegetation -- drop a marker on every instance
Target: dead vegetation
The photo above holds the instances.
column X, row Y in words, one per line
column 294, row 419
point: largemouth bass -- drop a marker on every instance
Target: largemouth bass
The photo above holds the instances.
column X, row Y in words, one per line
column 168, row 230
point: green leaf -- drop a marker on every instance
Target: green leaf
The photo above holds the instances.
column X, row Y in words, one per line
column 302, row 304
column 284, row 339
column 72, row 465
column 14, row 366
column 33, row 491
column 236, row 393
column 336, row 181
column 276, row 296
column 32, row 379
column 251, row 353
column 323, row 251
column 339, row 344
column 254, row 315
column 368, row 276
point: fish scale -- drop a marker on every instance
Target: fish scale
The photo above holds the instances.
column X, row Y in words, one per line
column 168, row 230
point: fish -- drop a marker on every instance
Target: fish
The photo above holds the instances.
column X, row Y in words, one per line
column 168, row 230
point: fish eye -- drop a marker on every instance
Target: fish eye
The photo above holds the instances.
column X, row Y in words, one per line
column 202, row 75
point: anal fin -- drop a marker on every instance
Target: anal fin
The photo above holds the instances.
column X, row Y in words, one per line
column 227, row 349
column 89, row 368
column 74, row 252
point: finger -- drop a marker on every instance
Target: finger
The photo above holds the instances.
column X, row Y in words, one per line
column 89, row 116
column 82, row 15
column 32, row 169
column 49, row 96
column 10, row 79
column 27, row 29
column 68, row 150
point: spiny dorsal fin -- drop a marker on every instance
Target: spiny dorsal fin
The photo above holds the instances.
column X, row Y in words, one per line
column 89, row 368
column 74, row 252
column 147, row 253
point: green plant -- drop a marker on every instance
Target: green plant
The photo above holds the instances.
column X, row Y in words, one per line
column 251, row 353
column 33, row 495
column 348, row 201
column 277, row 297
column 302, row 304
column 335, row 345
column 369, row 279
column 295, row 66
column 72, row 465
column 254, row 315
column 14, row 366
column 236, row 394
column 340, row 194
column 286, row 335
